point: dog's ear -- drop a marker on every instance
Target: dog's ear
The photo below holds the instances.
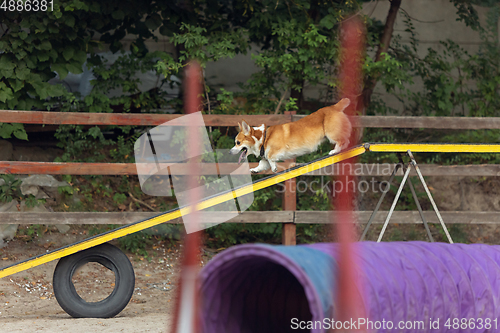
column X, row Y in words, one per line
column 245, row 127
column 239, row 125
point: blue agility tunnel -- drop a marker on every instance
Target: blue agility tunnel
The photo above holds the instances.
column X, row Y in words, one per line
column 406, row 287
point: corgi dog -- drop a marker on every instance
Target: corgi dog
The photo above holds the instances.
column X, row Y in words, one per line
column 281, row 142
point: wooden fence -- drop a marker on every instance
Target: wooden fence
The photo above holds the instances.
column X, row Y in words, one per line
column 289, row 217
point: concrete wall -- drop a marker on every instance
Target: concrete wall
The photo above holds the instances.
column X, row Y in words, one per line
column 434, row 21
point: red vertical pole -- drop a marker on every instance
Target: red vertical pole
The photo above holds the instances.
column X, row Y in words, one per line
column 289, row 203
column 348, row 303
column 187, row 305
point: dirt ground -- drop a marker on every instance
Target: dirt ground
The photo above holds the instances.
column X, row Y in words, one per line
column 28, row 304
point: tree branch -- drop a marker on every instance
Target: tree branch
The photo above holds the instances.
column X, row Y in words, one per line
column 141, row 202
column 385, row 41
column 281, row 101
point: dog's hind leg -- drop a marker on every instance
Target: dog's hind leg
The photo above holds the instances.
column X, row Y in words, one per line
column 338, row 130
column 335, row 150
column 339, row 145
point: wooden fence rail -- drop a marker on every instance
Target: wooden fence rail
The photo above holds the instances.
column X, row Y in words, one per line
column 285, row 216
column 289, row 217
column 143, row 119
column 361, row 169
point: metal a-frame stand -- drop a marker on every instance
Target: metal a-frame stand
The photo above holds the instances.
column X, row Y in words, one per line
column 406, row 171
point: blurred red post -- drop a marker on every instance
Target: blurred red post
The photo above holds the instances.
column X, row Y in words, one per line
column 186, row 314
column 349, row 302
column 289, row 230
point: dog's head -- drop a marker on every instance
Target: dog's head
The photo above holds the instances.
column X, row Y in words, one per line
column 248, row 141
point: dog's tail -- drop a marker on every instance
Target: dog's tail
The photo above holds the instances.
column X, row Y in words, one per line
column 342, row 104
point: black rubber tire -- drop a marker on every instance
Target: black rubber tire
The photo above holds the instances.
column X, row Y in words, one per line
column 110, row 257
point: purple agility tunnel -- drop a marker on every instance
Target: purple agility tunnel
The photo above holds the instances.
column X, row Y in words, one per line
column 406, row 287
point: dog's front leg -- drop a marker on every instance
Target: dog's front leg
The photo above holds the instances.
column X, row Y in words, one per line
column 274, row 166
column 263, row 166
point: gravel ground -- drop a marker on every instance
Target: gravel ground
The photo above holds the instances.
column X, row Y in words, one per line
column 27, row 302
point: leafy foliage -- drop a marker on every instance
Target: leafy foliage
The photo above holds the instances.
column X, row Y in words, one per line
column 34, row 45
column 10, row 188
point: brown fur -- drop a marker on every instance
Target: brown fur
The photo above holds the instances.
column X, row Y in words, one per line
column 302, row 136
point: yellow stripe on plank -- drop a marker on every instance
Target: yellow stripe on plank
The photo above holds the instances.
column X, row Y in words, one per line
column 434, row 148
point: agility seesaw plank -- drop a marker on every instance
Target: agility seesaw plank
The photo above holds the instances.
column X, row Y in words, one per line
column 243, row 190
column 178, row 212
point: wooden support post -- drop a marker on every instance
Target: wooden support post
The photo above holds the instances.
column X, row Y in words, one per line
column 289, row 203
